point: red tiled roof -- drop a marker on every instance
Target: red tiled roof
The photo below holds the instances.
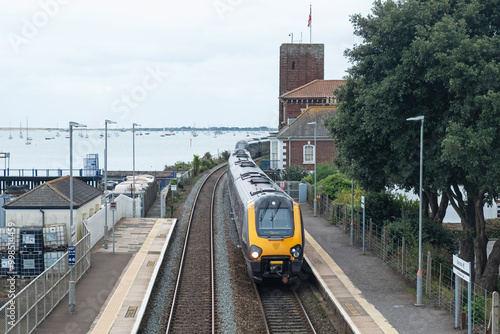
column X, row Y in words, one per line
column 315, row 88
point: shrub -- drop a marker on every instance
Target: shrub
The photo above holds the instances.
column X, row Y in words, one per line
column 294, row 173
column 322, row 171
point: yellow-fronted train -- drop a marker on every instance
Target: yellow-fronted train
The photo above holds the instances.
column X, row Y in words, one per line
column 268, row 221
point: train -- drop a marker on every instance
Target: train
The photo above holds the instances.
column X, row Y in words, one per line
column 257, row 147
column 268, row 221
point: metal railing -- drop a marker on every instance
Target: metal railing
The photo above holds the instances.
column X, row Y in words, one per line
column 48, row 172
column 402, row 256
column 30, row 306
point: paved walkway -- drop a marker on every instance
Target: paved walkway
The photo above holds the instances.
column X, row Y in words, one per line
column 95, row 286
column 378, row 283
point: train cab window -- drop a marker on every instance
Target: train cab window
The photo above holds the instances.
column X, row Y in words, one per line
column 274, row 222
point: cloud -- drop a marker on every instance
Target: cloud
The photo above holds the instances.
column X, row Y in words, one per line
column 221, row 57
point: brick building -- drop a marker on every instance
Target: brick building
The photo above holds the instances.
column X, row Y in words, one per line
column 299, row 65
column 315, row 93
column 304, row 97
column 294, row 143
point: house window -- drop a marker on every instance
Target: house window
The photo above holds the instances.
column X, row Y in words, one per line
column 308, row 154
column 293, row 66
column 97, row 207
column 274, row 154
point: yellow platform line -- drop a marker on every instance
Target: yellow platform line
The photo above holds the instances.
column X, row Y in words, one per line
column 115, row 304
column 377, row 317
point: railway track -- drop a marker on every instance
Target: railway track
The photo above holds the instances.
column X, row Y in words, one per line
column 283, row 310
column 192, row 309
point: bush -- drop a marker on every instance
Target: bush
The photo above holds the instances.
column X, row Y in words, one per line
column 332, row 185
column 294, row 173
column 435, row 235
column 493, row 228
column 322, row 171
column 345, row 196
column 382, row 207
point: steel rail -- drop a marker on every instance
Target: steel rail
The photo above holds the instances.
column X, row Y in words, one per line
column 272, row 322
column 174, row 298
column 305, row 312
column 212, row 206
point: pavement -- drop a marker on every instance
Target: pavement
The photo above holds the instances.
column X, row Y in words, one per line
column 386, row 290
column 96, row 285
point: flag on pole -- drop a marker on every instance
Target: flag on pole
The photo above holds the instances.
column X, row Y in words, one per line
column 310, row 16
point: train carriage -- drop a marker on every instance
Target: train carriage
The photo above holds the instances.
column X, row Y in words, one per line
column 268, row 221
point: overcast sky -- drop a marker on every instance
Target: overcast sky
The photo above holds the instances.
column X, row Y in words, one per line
column 158, row 63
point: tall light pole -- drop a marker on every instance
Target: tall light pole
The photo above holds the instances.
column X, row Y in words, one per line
column 419, row 272
column 315, row 204
column 133, row 168
column 106, row 122
column 72, row 238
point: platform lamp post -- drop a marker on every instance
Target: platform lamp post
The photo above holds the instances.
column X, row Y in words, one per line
column 106, row 122
column 315, row 200
column 72, row 284
column 419, row 272
column 133, row 168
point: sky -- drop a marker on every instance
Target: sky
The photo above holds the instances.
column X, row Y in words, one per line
column 197, row 63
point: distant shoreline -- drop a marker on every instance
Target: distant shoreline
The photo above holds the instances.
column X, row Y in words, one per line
column 226, row 129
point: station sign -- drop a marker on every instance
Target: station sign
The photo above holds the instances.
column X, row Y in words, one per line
column 71, row 255
column 461, row 268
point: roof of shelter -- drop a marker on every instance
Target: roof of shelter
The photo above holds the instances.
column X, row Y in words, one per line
column 55, row 194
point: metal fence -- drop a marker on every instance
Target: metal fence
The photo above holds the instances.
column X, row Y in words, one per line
column 30, row 306
column 438, row 278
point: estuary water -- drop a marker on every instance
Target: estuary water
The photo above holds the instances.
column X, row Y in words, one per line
column 153, row 149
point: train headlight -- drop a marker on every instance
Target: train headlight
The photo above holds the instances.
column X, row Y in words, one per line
column 296, row 251
column 255, row 252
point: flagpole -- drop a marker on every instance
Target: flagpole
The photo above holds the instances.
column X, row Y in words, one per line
column 310, row 24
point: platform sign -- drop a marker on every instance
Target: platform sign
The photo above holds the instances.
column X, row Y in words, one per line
column 461, row 268
column 112, row 206
column 71, row 255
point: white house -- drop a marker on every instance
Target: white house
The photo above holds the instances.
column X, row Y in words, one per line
column 48, row 204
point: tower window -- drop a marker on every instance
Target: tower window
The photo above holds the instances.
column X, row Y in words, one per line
column 293, row 65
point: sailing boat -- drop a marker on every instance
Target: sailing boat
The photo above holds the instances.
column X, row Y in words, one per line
column 20, row 130
column 10, row 135
column 28, row 138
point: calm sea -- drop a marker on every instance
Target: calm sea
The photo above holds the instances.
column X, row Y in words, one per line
column 153, row 149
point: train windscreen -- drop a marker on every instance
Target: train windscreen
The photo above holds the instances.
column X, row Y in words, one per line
column 274, row 221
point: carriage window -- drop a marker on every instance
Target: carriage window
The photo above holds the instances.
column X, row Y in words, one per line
column 274, row 222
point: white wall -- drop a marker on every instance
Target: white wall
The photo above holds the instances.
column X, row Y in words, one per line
column 489, row 209
column 33, row 217
column 96, row 223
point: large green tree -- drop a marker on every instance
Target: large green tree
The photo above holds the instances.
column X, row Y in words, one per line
column 440, row 59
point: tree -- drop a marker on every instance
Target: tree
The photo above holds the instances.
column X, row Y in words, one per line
column 438, row 59
column 196, row 164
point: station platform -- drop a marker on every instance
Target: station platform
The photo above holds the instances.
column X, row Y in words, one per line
column 365, row 290
column 368, row 294
column 102, row 305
